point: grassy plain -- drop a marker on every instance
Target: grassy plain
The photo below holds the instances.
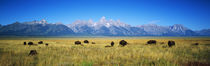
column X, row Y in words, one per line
column 62, row 51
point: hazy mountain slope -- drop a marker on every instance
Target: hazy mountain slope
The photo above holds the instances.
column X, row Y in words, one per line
column 153, row 29
column 204, row 32
column 35, row 29
column 0, row 26
column 180, row 30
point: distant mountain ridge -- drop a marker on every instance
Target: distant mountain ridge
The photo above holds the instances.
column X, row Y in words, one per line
column 102, row 28
column 35, row 28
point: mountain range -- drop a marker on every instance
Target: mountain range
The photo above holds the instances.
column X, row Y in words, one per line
column 102, row 28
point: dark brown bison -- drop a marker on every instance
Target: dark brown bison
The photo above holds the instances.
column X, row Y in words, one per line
column 93, row 43
column 77, row 43
column 30, row 43
column 40, row 42
column 123, row 43
column 32, row 52
column 24, row 43
column 171, row 43
column 112, row 43
column 195, row 44
column 151, row 42
column 46, row 44
column 86, row 41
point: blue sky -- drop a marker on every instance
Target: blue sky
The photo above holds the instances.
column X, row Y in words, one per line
column 194, row 14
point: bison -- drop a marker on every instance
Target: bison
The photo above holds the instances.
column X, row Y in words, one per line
column 86, row 41
column 123, row 43
column 30, row 43
column 46, row 44
column 112, row 43
column 77, row 43
column 24, row 43
column 32, row 52
column 93, row 43
column 151, row 42
column 195, row 44
column 171, row 43
column 40, row 42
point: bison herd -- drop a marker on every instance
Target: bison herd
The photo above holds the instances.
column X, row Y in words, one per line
column 31, row 43
column 170, row 42
column 33, row 52
column 122, row 43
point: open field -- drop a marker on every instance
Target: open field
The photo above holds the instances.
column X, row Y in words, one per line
column 62, row 51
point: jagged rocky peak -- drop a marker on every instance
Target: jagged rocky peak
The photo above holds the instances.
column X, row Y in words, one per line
column 178, row 28
column 178, row 25
column 103, row 19
column 112, row 22
column 102, row 22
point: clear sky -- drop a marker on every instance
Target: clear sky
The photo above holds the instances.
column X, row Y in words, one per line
column 194, row 14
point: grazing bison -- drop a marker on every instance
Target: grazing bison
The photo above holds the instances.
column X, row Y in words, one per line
column 86, row 41
column 171, row 43
column 77, row 43
column 195, row 44
column 32, row 52
column 93, row 43
column 151, row 42
column 30, row 43
column 46, row 44
column 24, row 43
column 40, row 42
column 123, row 43
column 112, row 43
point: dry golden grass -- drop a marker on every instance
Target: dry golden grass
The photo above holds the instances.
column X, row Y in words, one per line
column 63, row 52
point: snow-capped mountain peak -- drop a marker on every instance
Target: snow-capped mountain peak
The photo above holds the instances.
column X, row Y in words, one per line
column 107, row 25
column 102, row 22
column 178, row 28
column 103, row 19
